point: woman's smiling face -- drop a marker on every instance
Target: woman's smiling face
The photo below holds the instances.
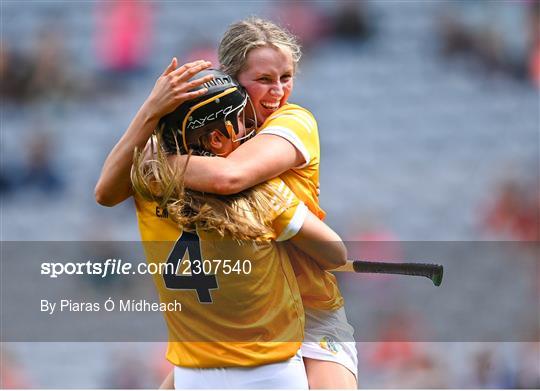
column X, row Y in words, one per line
column 268, row 79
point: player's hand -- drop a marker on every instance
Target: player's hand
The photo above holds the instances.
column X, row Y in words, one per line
column 172, row 87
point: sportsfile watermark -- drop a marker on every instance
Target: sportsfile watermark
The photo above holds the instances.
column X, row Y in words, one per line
column 124, row 291
column 119, row 267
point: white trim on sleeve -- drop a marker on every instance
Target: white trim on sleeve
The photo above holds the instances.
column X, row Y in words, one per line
column 290, row 136
column 295, row 224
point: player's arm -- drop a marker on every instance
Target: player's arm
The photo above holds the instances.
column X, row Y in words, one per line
column 321, row 243
column 261, row 158
column 170, row 90
column 295, row 222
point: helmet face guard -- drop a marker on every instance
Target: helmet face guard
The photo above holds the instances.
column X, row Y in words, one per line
column 249, row 120
column 221, row 108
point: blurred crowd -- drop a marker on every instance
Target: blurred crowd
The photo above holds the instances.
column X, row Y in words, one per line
column 494, row 35
column 43, row 77
column 394, row 365
column 513, row 211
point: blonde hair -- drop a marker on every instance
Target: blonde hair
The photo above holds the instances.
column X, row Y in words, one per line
column 243, row 36
column 244, row 216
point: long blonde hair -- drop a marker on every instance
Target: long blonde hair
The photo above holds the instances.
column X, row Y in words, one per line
column 243, row 36
column 244, row 216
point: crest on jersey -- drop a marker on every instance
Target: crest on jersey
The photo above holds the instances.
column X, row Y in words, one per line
column 328, row 343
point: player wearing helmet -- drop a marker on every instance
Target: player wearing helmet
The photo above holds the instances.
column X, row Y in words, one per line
column 263, row 57
column 228, row 320
column 218, row 109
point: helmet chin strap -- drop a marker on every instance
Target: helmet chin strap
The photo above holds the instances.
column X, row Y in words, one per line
column 230, row 130
column 232, row 136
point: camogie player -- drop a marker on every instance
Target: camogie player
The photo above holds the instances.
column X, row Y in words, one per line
column 241, row 328
column 263, row 58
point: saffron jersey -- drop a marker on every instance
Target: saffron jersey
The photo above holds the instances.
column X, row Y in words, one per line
column 318, row 287
column 244, row 316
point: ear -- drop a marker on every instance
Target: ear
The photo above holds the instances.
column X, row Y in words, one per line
column 217, row 142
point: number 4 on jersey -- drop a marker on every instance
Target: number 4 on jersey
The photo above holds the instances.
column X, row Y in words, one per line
column 200, row 282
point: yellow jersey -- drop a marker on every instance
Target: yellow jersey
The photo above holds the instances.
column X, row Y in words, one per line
column 318, row 287
column 241, row 304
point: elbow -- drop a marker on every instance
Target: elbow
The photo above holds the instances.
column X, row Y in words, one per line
column 341, row 259
column 103, row 197
column 333, row 256
column 337, row 256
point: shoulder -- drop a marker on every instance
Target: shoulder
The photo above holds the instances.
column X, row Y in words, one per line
column 298, row 126
column 291, row 119
column 292, row 112
column 280, row 189
column 288, row 213
column 278, row 196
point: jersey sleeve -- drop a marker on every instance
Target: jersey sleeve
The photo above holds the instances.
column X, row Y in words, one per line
column 298, row 126
column 290, row 212
column 289, row 222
